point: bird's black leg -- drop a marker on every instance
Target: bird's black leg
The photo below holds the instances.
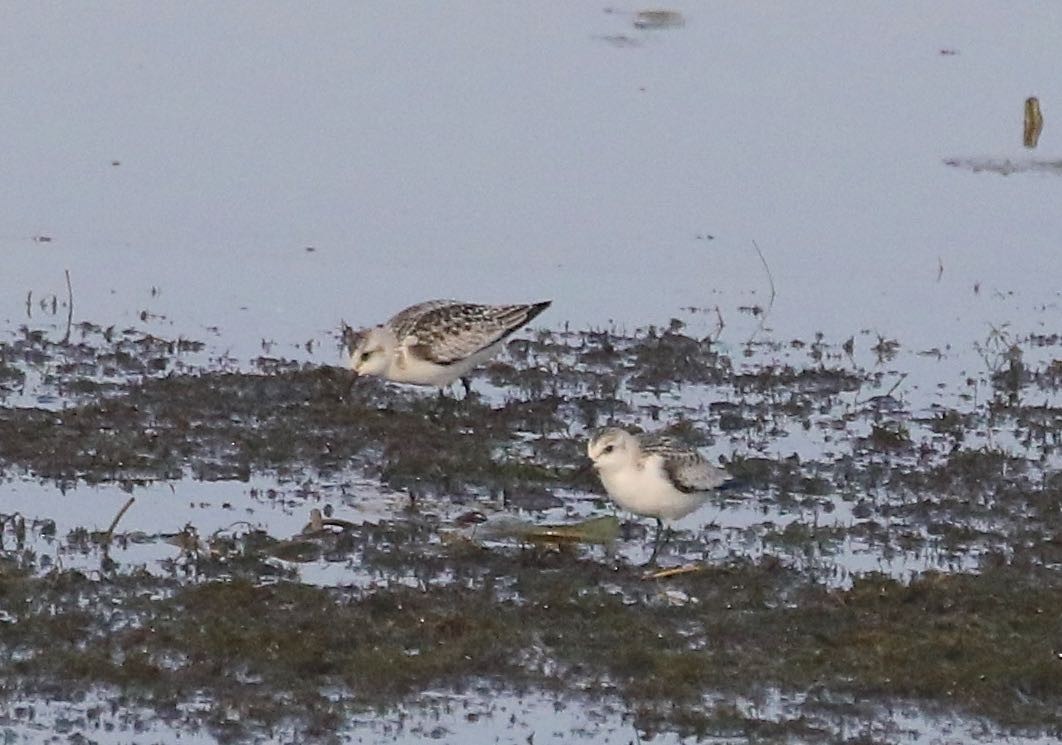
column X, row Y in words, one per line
column 468, row 386
column 656, row 540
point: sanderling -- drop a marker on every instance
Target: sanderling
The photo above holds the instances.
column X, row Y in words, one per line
column 653, row 475
column 438, row 341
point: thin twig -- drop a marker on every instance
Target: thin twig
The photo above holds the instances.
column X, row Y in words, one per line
column 770, row 277
column 720, row 323
column 674, row 571
column 770, row 303
column 896, row 385
column 69, row 310
column 114, row 523
column 859, row 402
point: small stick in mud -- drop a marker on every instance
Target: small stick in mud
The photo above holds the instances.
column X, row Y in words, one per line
column 1034, row 122
column 674, row 571
column 770, row 303
column 70, row 313
column 319, row 522
column 860, row 401
column 770, row 277
column 114, row 523
column 720, row 323
column 896, row 385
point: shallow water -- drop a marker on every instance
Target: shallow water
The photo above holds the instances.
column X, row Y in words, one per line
column 479, row 717
column 249, row 175
column 148, row 532
column 512, row 154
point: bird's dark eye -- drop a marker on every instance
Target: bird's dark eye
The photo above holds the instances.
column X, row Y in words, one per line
column 365, row 356
column 609, row 448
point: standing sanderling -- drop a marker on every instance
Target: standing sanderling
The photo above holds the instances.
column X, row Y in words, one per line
column 653, row 475
column 438, row 341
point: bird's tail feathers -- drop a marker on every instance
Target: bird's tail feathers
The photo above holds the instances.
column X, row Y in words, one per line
column 516, row 316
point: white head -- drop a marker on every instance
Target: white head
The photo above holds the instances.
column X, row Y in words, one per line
column 612, row 448
column 372, row 351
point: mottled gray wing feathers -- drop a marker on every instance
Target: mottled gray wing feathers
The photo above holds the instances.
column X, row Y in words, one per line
column 685, row 467
column 447, row 331
column 405, row 321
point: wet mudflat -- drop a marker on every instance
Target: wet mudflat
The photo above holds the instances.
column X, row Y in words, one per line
column 207, row 535
column 300, row 552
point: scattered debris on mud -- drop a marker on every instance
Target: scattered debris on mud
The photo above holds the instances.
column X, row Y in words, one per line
column 890, row 546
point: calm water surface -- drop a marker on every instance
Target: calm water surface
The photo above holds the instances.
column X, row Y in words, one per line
column 258, row 171
column 519, row 152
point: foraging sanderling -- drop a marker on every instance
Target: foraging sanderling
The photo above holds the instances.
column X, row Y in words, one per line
column 438, row 341
column 653, row 475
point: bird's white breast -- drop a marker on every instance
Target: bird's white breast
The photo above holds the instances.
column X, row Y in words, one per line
column 648, row 491
column 408, row 368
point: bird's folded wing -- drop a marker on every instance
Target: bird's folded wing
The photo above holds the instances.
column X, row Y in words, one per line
column 686, row 468
column 690, row 473
column 405, row 322
column 451, row 333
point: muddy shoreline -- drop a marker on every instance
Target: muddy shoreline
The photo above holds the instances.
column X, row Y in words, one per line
column 975, row 630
